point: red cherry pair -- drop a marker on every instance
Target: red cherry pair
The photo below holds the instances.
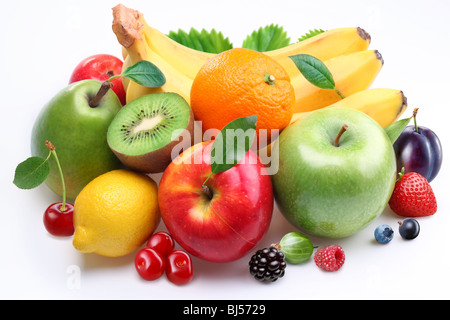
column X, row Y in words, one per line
column 159, row 256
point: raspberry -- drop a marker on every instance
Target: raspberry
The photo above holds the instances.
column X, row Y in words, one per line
column 330, row 258
column 267, row 264
column 413, row 196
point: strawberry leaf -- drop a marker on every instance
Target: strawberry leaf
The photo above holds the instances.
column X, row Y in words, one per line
column 271, row 37
column 211, row 42
column 311, row 34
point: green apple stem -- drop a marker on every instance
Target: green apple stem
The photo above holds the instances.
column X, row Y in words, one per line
column 338, row 137
column 95, row 101
column 415, row 121
column 51, row 147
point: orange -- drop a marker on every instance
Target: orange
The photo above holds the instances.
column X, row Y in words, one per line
column 240, row 83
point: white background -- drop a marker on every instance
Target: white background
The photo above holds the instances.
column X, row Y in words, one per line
column 41, row 43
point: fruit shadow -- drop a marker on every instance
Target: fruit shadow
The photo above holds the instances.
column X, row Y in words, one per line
column 92, row 261
column 238, row 269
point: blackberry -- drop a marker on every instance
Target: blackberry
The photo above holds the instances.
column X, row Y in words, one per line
column 267, row 264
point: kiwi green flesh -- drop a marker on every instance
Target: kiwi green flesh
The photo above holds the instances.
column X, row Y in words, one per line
column 142, row 135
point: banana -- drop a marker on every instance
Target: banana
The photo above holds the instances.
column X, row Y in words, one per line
column 185, row 59
column 384, row 105
column 324, row 46
column 130, row 34
column 352, row 73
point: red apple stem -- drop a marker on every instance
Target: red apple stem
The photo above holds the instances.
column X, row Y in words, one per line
column 207, row 192
column 341, row 132
column 95, row 101
column 51, row 147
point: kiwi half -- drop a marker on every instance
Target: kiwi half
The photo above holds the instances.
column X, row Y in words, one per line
column 142, row 134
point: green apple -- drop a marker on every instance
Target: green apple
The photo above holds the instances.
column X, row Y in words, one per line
column 333, row 190
column 78, row 132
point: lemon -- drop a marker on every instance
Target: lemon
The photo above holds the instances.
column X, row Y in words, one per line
column 115, row 213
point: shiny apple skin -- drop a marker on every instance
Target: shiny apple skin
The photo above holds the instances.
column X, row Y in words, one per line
column 419, row 152
column 329, row 191
column 229, row 225
column 101, row 67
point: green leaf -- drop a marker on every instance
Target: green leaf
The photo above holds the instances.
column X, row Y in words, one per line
column 31, row 173
column 211, row 42
column 310, row 34
column 146, row 74
column 271, row 37
column 232, row 143
column 314, row 71
column 396, row 128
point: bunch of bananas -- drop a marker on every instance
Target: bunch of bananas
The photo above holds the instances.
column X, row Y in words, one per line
column 343, row 50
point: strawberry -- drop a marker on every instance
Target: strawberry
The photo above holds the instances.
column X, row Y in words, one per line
column 413, row 196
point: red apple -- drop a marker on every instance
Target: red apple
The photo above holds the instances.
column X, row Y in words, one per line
column 227, row 220
column 101, row 67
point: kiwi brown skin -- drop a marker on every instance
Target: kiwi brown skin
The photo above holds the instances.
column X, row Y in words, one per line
column 158, row 160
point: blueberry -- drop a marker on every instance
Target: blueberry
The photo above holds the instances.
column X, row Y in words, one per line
column 384, row 233
column 409, row 228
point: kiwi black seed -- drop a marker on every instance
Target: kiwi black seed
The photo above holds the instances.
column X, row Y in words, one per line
column 144, row 132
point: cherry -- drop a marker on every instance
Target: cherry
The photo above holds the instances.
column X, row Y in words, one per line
column 161, row 242
column 58, row 219
column 149, row 264
column 179, row 267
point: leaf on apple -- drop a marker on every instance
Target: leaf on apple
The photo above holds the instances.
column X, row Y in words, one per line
column 316, row 72
column 232, row 143
column 145, row 74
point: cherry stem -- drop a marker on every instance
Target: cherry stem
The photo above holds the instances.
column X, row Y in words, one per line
column 51, row 147
column 95, row 101
column 415, row 121
column 341, row 132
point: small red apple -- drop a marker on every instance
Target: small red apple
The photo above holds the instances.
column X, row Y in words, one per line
column 225, row 220
column 101, row 67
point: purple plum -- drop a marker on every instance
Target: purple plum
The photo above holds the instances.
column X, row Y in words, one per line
column 418, row 149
